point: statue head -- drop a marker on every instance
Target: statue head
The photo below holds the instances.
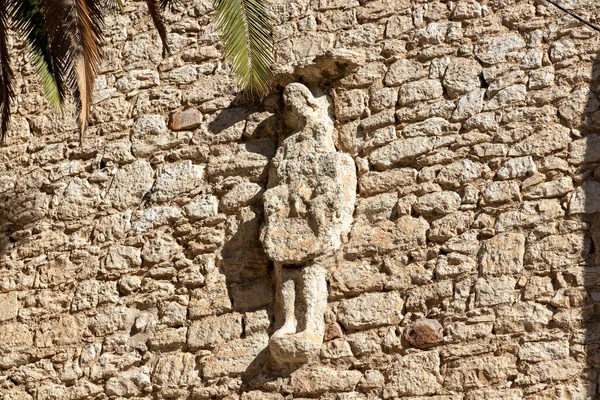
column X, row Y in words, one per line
column 299, row 104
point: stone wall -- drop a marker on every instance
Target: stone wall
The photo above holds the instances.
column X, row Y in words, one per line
column 134, row 266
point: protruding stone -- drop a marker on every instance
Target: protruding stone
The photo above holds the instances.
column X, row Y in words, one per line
column 424, row 334
column 186, row 120
column 333, row 331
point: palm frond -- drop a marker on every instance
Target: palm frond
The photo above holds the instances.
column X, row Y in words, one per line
column 164, row 4
column 114, row 5
column 246, row 33
column 6, row 73
column 28, row 20
column 75, row 38
column 154, row 8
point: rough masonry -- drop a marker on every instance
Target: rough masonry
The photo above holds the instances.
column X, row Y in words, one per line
column 150, row 263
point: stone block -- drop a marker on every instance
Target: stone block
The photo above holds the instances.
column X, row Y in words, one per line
column 502, row 255
column 309, row 380
column 371, row 310
column 9, row 306
column 211, row 332
column 186, row 120
column 415, row 374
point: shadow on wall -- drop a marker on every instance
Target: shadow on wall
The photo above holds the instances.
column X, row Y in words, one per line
column 586, row 199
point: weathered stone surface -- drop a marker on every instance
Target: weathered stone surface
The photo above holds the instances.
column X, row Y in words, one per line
column 177, row 179
column 241, row 196
column 350, row 104
column 120, row 257
column 462, row 172
column 15, row 336
column 111, row 320
column 517, row 168
column 158, row 249
column 557, row 250
column 435, row 126
column 412, row 92
column 502, row 255
column 406, row 234
column 333, row 331
column 290, row 239
column 211, row 299
column 403, row 71
column 130, row 184
column 557, row 188
column 371, row 310
column 494, row 291
column 416, row 374
column 356, row 279
column 378, row 207
column 502, row 192
column 440, row 203
column 320, row 380
column 9, row 306
column 132, row 265
column 211, row 332
column 552, row 138
column 374, row 182
column 202, row 207
column 90, row 294
column 585, row 199
column 470, row 372
column 235, row 357
column 469, row 105
column 496, row 49
column 403, row 152
column 450, row 226
column 462, row 76
column 175, row 370
column 509, row 96
column 543, row 351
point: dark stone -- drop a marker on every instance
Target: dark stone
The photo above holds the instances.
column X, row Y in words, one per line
column 333, row 331
column 424, row 334
column 186, row 120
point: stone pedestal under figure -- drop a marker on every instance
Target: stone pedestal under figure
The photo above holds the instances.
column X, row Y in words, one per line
column 308, row 208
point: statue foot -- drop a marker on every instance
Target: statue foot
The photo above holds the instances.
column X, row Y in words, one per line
column 295, row 348
column 289, row 328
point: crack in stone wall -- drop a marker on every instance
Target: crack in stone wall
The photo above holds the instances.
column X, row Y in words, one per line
column 133, row 266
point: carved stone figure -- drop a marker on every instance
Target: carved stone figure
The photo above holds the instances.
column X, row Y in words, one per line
column 308, row 208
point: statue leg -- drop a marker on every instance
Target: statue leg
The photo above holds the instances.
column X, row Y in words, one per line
column 304, row 294
column 285, row 281
column 314, row 298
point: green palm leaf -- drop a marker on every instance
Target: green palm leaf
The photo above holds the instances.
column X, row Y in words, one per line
column 75, row 38
column 6, row 73
column 246, row 33
column 28, row 19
